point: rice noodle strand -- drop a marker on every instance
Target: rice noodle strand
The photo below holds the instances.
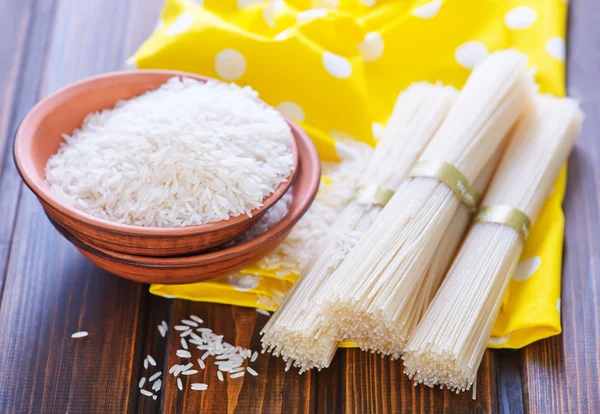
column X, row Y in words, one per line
column 447, row 347
column 377, row 293
column 293, row 331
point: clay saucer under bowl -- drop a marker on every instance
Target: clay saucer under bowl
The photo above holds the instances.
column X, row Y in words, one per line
column 40, row 135
column 200, row 267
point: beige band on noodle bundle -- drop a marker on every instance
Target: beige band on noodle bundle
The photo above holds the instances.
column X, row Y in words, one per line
column 507, row 215
column 449, row 175
column 373, row 194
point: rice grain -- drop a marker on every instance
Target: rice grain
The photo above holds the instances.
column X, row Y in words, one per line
column 187, row 153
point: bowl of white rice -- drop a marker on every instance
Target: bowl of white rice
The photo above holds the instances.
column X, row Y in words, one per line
column 156, row 163
column 247, row 249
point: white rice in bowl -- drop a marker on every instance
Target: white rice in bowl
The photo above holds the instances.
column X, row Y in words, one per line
column 187, row 153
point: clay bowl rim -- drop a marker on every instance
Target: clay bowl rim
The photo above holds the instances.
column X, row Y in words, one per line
column 284, row 225
column 44, row 108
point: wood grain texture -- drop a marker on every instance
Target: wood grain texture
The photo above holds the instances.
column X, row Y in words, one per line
column 24, row 30
column 50, row 290
column 272, row 391
column 509, row 382
column 360, row 382
column 561, row 374
column 154, row 310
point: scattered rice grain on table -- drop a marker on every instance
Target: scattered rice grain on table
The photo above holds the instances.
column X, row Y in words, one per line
column 263, row 312
column 155, row 376
column 182, row 353
column 157, row 385
column 196, row 318
column 151, row 360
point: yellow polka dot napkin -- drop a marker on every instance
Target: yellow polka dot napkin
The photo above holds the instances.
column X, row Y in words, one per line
column 336, row 67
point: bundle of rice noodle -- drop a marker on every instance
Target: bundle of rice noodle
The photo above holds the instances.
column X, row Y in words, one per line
column 291, row 332
column 448, row 345
column 374, row 295
column 445, row 253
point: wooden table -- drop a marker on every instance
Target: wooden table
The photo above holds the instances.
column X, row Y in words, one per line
column 48, row 290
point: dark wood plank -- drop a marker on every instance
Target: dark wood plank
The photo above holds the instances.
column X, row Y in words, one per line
column 508, row 378
column 50, row 290
column 561, row 374
column 24, row 28
column 360, row 382
column 272, row 391
column 41, row 367
column 14, row 27
column 153, row 311
column 331, row 386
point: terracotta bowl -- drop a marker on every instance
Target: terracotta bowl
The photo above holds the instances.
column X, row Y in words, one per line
column 199, row 267
column 39, row 136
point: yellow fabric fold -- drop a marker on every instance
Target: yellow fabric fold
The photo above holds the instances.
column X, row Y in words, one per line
column 336, row 67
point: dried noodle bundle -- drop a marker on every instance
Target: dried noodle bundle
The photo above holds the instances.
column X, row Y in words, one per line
column 374, row 295
column 448, row 345
column 291, row 332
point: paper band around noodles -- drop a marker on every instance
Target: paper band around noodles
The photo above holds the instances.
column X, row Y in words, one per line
column 507, row 215
column 373, row 194
column 449, row 175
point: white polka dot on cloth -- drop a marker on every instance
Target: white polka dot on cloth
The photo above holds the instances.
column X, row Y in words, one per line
column 470, row 54
column 368, row 3
column 336, row 65
column 527, row 268
column 245, row 3
column 310, row 14
column 293, row 110
column 243, row 283
column 377, row 129
column 326, row 3
column 230, row 64
column 269, row 15
column 428, row 10
column 180, row 25
column 284, row 34
column 520, row 17
column 556, row 48
column 499, row 340
column 270, row 12
column 371, row 47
